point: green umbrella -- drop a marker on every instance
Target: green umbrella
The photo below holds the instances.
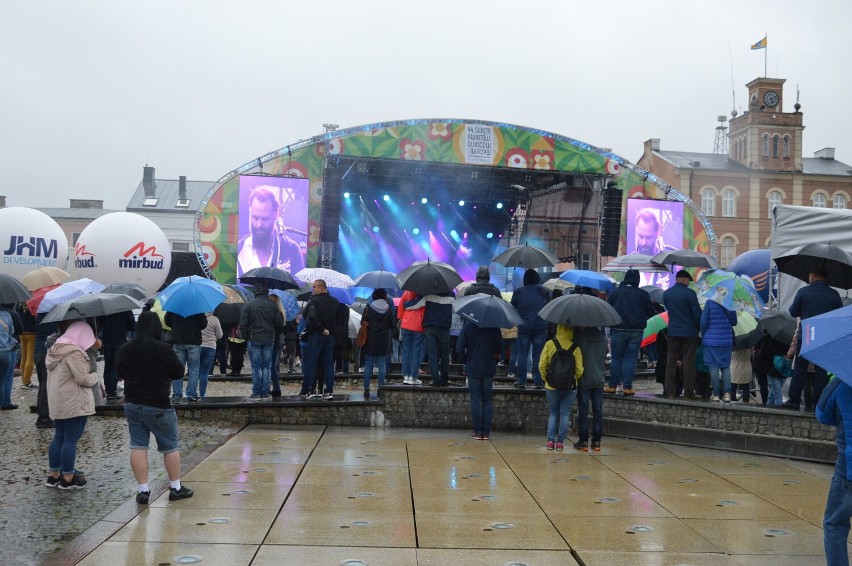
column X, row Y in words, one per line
column 653, row 326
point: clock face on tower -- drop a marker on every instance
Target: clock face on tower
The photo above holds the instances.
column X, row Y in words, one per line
column 770, row 99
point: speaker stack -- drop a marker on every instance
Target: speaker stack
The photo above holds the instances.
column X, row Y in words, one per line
column 331, row 193
column 611, row 220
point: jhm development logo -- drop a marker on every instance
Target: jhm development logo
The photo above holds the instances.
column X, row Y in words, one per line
column 37, row 251
column 135, row 258
column 84, row 257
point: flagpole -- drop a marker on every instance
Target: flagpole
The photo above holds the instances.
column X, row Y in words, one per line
column 765, row 54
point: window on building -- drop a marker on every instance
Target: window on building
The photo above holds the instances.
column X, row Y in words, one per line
column 786, row 146
column 819, row 200
column 729, row 251
column 150, row 201
column 729, row 203
column 76, row 235
column 774, row 198
column 708, row 202
column 180, row 246
column 839, row 201
column 585, row 261
column 765, row 145
column 775, row 146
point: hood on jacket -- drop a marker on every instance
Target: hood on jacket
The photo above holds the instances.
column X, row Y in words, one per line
column 148, row 326
column 564, row 333
column 531, row 277
column 380, row 306
column 78, row 334
column 631, row 278
column 483, row 275
column 59, row 352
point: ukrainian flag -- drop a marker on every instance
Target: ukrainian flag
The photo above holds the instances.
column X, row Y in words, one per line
column 759, row 45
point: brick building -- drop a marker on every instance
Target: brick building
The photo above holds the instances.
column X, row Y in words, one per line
column 764, row 166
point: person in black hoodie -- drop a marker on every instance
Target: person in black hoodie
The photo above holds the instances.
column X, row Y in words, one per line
column 380, row 318
column 634, row 306
column 320, row 320
column 148, row 366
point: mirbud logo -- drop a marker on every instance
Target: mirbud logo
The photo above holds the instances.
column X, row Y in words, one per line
column 84, row 258
column 137, row 257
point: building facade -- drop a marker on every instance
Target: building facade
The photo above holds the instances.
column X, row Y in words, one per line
column 764, row 167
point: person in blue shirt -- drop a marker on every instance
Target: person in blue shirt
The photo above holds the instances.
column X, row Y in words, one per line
column 811, row 300
column 835, row 409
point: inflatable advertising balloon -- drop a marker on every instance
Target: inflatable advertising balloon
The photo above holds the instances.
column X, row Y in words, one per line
column 123, row 247
column 755, row 264
column 30, row 239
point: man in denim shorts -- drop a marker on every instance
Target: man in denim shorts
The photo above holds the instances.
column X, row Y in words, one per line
column 148, row 367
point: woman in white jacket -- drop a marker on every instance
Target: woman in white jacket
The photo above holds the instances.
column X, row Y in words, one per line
column 71, row 373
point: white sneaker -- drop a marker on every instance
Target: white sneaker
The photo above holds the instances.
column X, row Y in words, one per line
column 619, row 389
column 120, row 385
column 406, row 380
column 714, row 398
column 727, row 398
column 415, row 381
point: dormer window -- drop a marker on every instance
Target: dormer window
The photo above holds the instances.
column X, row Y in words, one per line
column 150, row 201
column 182, row 203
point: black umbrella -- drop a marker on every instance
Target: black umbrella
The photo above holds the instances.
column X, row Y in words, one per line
column 130, row 289
column 836, row 261
column 526, row 256
column 580, row 310
column 685, row 258
column 228, row 313
column 272, row 277
column 12, row 290
column 377, row 280
column 91, row 305
column 487, row 311
column 778, row 324
column 429, row 277
column 655, row 292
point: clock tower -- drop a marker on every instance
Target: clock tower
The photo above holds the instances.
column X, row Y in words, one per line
column 765, row 137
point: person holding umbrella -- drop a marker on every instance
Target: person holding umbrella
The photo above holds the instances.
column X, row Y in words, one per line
column 635, row 308
column 479, row 347
column 185, row 339
column 681, row 302
column 559, row 401
column 260, row 321
column 812, row 300
column 532, row 334
column 320, row 319
column 380, row 319
column 717, row 338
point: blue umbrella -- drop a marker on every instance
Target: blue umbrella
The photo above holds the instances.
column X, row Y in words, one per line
column 487, row 311
column 827, row 340
column 191, row 295
column 377, row 280
column 586, row 278
column 342, row 294
column 288, row 301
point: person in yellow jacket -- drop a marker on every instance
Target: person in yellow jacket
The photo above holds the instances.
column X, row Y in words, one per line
column 560, row 401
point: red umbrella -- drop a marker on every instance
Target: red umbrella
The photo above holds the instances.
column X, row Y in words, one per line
column 38, row 297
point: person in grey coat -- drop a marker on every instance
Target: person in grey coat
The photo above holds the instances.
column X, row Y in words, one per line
column 592, row 344
column 260, row 321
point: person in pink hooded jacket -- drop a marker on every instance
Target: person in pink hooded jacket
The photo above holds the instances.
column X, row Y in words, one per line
column 71, row 373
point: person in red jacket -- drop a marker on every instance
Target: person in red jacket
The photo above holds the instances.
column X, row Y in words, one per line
column 411, row 335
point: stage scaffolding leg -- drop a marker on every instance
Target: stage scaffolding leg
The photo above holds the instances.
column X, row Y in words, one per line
column 326, row 254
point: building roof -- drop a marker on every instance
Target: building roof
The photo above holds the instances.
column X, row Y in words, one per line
column 166, row 195
column 714, row 161
column 75, row 213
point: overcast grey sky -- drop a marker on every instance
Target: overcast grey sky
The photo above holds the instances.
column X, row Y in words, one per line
column 92, row 91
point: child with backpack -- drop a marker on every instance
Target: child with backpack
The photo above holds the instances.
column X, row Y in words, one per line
column 592, row 345
column 561, row 365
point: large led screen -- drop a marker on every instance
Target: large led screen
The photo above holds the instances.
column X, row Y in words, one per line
column 654, row 226
column 272, row 223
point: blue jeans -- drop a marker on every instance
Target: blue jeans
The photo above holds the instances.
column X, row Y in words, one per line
column 7, row 376
column 835, row 522
column 143, row 421
column 714, row 380
column 775, row 386
column 560, row 403
column 189, row 354
column 536, row 340
column 208, row 355
column 412, row 346
column 596, row 397
column 625, row 351
column 369, row 362
column 275, row 370
column 318, row 349
column 438, row 347
column 62, row 452
column 481, row 404
column 260, row 356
